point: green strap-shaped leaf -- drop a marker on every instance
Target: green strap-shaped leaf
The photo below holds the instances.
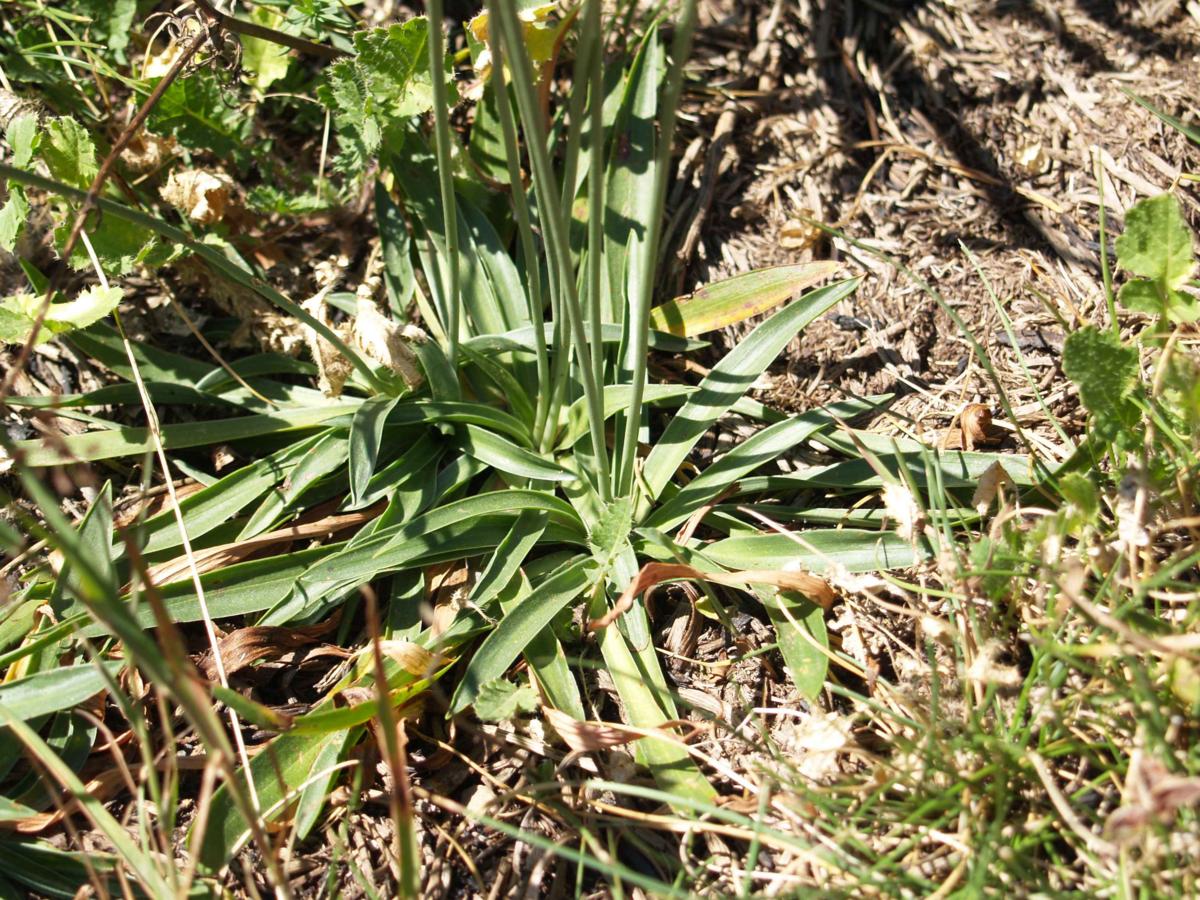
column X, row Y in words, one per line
column 736, row 299
column 465, row 526
column 234, row 590
column 673, row 768
column 324, row 453
column 959, row 468
column 857, row 551
column 800, row 631
column 501, row 648
column 47, row 692
column 366, row 434
column 280, row 771
column 160, row 393
column 629, row 194
column 95, row 549
column 97, row 445
column 616, row 399
column 729, row 379
column 460, row 413
column 507, row 457
column 507, row 560
column 755, row 451
column 610, row 333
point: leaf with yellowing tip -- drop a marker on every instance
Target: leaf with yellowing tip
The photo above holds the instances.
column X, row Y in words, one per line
column 736, row 299
column 412, row 658
column 19, row 313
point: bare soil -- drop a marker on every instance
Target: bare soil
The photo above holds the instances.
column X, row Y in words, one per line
column 956, row 145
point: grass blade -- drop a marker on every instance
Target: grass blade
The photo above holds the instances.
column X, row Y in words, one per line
column 140, row 864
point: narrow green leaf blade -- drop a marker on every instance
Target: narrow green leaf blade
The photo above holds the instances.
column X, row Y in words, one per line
column 755, row 451
column 521, row 626
column 508, row 457
column 736, row 299
column 730, row 379
column 857, row 551
column 124, row 441
column 800, row 631
column 366, row 434
column 53, row 690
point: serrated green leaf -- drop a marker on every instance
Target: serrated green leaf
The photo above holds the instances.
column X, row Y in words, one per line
column 13, row 216
column 69, row 153
column 21, row 136
column 500, row 700
column 19, row 312
column 373, row 94
column 194, row 111
column 1157, row 242
column 111, row 21
column 1102, row 367
column 120, row 246
column 267, row 60
column 1141, row 295
column 610, row 533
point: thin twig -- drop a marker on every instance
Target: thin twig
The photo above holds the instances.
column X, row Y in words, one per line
column 263, row 33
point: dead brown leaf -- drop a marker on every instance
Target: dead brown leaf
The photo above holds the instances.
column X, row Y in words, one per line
column 246, row 646
column 990, row 483
column 225, row 554
column 204, row 197
column 814, row 588
column 588, row 737
column 333, row 369
column 146, row 151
